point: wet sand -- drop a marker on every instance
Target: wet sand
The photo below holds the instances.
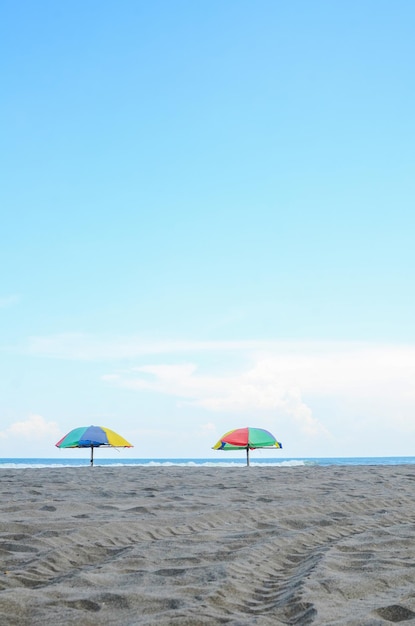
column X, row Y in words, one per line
column 194, row 546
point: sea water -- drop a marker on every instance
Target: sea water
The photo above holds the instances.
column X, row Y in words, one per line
column 22, row 463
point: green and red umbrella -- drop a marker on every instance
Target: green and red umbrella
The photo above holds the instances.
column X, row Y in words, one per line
column 247, row 439
column 92, row 437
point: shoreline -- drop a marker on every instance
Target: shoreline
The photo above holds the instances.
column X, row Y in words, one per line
column 273, row 545
column 226, row 460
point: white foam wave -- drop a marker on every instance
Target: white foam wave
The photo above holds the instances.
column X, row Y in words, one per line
column 26, row 464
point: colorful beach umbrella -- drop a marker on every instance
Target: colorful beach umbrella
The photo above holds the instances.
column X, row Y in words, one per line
column 92, row 437
column 247, row 439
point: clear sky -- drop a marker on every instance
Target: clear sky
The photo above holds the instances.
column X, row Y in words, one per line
column 207, row 222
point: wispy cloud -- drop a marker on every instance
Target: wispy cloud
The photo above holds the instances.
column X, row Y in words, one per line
column 10, row 300
column 80, row 346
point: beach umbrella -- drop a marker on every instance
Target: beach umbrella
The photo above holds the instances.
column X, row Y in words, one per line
column 92, row 437
column 247, row 439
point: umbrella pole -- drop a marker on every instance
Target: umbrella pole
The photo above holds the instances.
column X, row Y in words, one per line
column 92, row 456
column 247, row 457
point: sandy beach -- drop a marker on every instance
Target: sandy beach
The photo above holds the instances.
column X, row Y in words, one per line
column 267, row 546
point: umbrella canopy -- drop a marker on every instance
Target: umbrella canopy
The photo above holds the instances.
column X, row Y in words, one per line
column 92, row 437
column 247, row 439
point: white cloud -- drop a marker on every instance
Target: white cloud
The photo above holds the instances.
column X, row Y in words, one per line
column 250, row 391
column 320, row 366
column 294, row 379
column 342, row 394
column 35, row 428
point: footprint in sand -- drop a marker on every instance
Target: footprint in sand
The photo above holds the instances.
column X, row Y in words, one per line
column 395, row 613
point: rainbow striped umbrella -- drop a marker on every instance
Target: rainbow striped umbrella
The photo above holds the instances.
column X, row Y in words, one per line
column 92, row 437
column 247, row 439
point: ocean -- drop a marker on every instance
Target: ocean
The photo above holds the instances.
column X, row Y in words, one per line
column 24, row 463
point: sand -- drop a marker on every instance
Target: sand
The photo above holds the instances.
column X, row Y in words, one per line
column 178, row 545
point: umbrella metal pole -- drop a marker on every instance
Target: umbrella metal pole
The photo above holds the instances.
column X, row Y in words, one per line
column 92, row 456
column 247, row 457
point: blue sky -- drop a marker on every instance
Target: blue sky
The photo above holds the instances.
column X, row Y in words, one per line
column 207, row 222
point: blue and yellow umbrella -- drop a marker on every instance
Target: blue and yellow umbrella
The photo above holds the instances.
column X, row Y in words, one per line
column 92, row 437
